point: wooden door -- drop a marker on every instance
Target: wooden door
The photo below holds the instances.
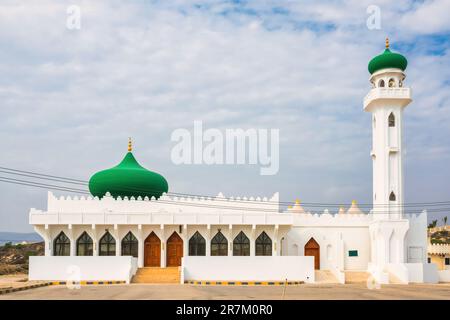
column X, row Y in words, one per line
column 174, row 250
column 152, row 251
column 312, row 248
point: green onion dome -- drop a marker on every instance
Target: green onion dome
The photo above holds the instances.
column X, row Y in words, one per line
column 128, row 179
column 387, row 59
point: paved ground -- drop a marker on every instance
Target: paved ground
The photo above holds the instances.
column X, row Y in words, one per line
column 143, row 291
column 16, row 281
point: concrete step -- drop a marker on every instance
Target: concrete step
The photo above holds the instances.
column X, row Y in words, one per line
column 324, row 276
column 356, row 276
column 157, row 275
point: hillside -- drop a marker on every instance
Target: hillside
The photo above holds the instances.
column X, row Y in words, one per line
column 17, row 237
column 14, row 258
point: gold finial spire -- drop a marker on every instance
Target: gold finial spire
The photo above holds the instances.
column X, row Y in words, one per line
column 387, row 43
column 297, row 201
column 353, row 202
column 130, row 145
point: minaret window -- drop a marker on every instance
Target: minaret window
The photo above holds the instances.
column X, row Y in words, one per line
column 61, row 245
column 391, row 83
column 391, row 120
column 107, row 245
column 392, row 196
column 381, row 84
column 84, row 245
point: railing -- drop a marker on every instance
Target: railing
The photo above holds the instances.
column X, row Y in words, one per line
column 391, row 93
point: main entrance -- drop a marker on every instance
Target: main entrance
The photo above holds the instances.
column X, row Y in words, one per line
column 152, row 251
column 312, row 248
column 174, row 250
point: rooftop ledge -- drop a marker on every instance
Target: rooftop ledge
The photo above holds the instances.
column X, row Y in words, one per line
column 388, row 94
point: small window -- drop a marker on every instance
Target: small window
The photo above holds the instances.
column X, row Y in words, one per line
column 392, row 196
column 219, row 245
column 429, row 260
column 400, row 83
column 84, row 245
column 391, row 83
column 353, row 253
column 391, row 120
column 381, row 84
column 263, row 245
column 241, row 245
column 107, row 245
column 61, row 246
column 130, row 245
column 447, row 261
column 197, row 245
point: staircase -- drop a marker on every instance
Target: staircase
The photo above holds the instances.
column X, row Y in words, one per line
column 356, row 277
column 157, row 275
column 324, row 276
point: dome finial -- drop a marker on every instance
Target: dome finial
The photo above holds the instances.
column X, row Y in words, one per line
column 387, row 43
column 130, row 145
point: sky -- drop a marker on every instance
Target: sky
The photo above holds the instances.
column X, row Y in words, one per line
column 70, row 98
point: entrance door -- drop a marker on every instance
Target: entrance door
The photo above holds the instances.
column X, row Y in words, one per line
column 152, row 251
column 312, row 248
column 174, row 250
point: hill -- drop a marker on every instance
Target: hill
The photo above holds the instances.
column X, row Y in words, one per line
column 14, row 258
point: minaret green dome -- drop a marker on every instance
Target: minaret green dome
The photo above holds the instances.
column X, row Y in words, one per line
column 387, row 59
column 128, row 179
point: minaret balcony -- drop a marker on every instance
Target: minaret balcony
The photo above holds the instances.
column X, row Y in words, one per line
column 401, row 95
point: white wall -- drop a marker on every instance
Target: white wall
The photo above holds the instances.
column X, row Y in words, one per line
column 276, row 268
column 74, row 268
column 444, row 275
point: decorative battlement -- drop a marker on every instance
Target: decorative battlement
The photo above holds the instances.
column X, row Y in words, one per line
column 439, row 248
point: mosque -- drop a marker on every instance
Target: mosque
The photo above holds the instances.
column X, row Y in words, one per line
column 131, row 230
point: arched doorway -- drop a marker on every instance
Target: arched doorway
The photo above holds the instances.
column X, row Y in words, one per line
column 174, row 250
column 152, row 251
column 312, row 248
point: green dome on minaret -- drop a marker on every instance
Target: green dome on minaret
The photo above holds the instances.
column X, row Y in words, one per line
column 386, row 60
column 128, row 179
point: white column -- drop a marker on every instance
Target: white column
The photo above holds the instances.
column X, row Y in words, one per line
column 208, row 240
column 275, row 241
column 163, row 247
column 185, row 241
column 230, row 240
column 73, row 240
column 118, row 240
column 44, row 232
column 141, row 244
column 252, row 241
column 95, row 248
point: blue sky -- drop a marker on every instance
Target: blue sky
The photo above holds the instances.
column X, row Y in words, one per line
column 71, row 98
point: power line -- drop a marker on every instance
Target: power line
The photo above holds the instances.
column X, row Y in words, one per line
column 307, row 204
column 178, row 202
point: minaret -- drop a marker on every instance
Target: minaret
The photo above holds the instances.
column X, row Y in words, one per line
column 386, row 101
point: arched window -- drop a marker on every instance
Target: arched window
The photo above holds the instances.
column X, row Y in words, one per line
column 61, row 245
column 391, row 83
column 197, row 245
column 219, row 245
column 381, row 84
column 391, row 120
column 400, row 83
column 392, row 196
column 241, row 245
column 130, row 245
column 107, row 245
column 263, row 245
column 84, row 245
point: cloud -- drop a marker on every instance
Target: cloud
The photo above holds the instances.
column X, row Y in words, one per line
column 71, row 98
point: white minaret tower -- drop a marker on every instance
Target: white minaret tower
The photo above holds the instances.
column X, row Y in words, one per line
column 386, row 101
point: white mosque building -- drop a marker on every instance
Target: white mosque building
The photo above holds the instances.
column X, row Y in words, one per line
column 131, row 230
